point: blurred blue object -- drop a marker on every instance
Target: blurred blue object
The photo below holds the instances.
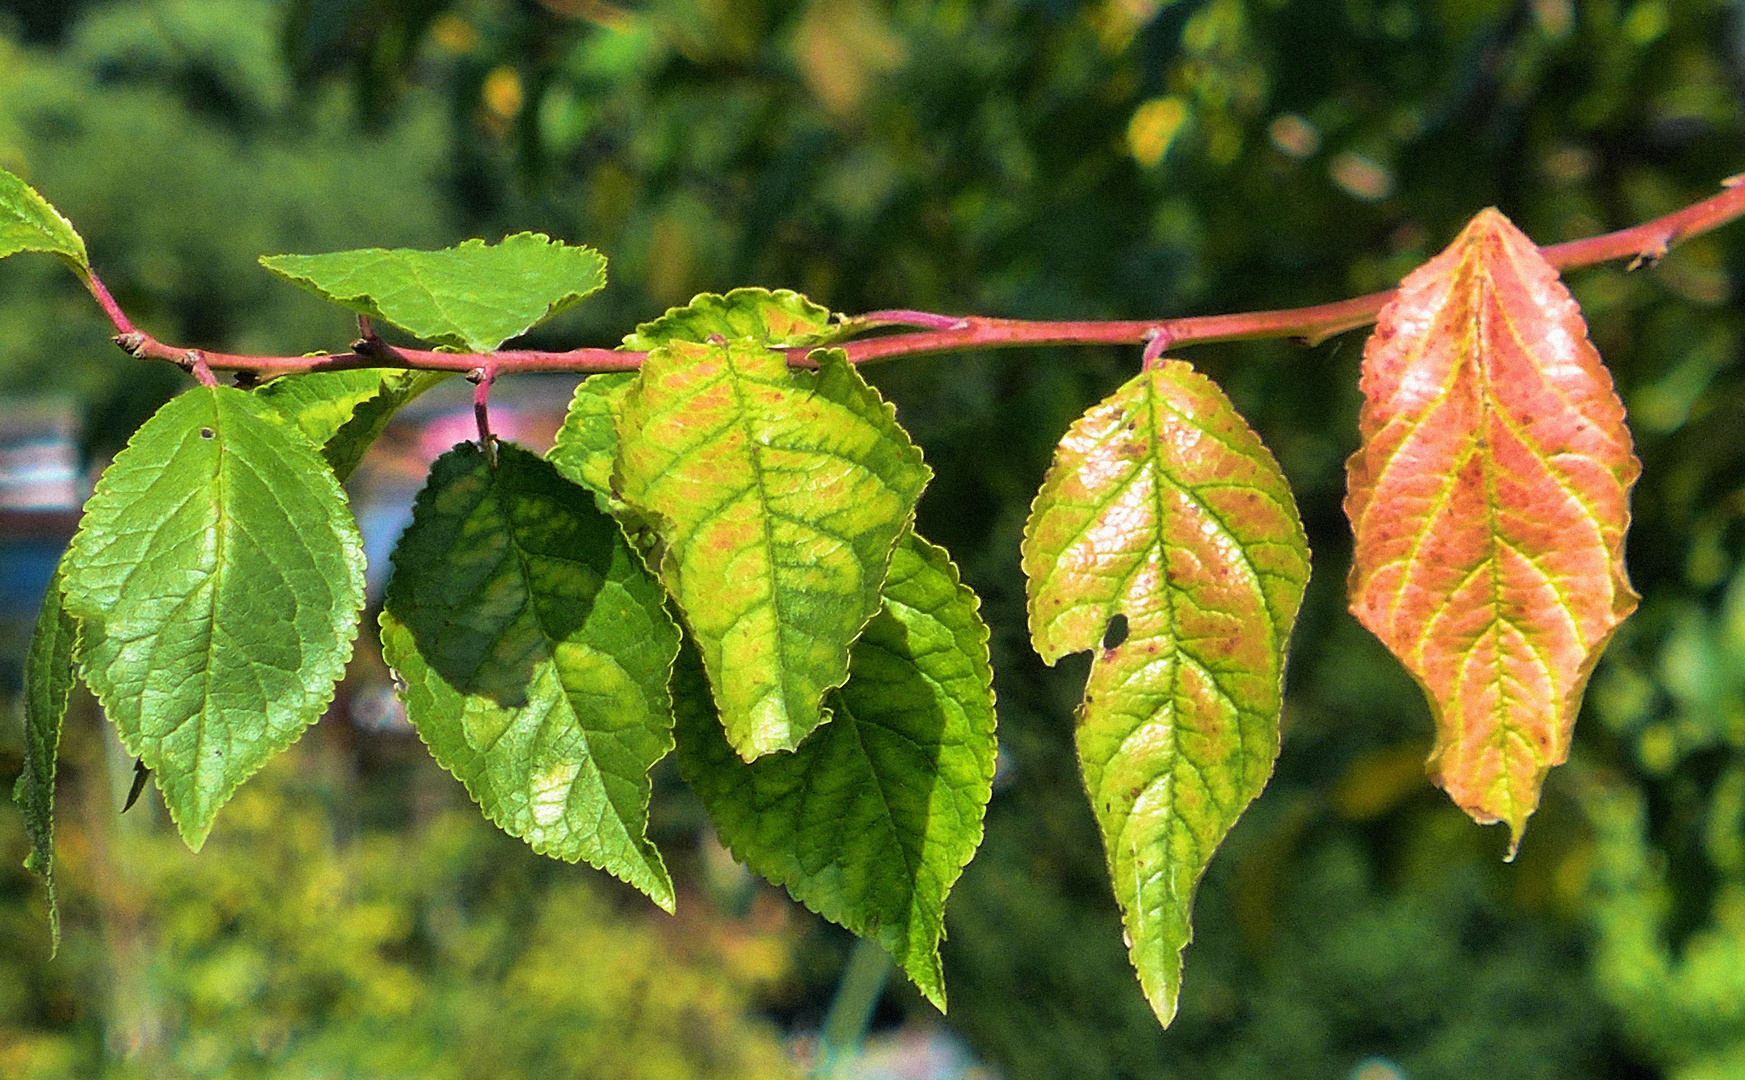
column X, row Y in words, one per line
column 25, row 568
column 41, row 489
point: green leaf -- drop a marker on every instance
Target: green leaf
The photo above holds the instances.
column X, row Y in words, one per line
column 870, row 822
column 48, row 680
column 779, row 497
column 473, row 296
column 1166, row 538
column 217, row 578
column 29, row 223
column 344, row 412
column 587, row 445
column 779, row 319
column 536, row 652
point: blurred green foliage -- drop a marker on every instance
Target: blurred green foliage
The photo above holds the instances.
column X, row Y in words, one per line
column 174, row 136
column 293, row 947
column 1058, row 158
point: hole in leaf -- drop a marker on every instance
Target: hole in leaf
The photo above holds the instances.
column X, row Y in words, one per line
column 205, row 433
column 1115, row 633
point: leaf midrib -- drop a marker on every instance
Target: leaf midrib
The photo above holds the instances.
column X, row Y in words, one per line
column 755, row 461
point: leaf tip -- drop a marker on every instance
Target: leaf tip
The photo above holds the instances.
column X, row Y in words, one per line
column 1163, row 1002
column 934, row 994
column 1160, row 971
column 193, row 831
column 660, row 890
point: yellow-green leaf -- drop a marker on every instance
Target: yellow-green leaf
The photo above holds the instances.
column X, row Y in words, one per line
column 1165, row 538
column 779, row 319
column 343, row 412
column 778, row 497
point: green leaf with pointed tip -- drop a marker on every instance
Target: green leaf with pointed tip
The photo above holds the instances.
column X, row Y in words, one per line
column 344, row 412
column 779, row 319
column 29, row 223
column 473, row 296
column 779, row 496
column 48, row 680
column 536, row 651
column 217, row 578
column 870, row 822
column 1166, row 538
column 587, row 445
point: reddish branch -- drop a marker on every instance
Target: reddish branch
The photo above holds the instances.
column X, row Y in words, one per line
column 943, row 333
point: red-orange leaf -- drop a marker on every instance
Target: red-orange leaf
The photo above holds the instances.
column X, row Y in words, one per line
column 1490, row 498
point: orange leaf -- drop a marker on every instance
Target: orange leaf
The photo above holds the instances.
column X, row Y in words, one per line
column 1490, row 498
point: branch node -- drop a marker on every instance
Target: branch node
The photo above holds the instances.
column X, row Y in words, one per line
column 370, row 343
column 1654, row 252
column 132, row 343
column 194, row 363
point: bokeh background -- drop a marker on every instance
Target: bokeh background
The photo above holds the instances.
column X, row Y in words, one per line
column 352, row 916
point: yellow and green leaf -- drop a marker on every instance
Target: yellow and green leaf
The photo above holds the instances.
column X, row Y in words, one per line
column 1165, row 538
column 778, row 497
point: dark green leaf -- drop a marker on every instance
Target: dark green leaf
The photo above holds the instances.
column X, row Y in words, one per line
column 535, row 650
column 1165, row 537
column 29, row 223
column 870, row 821
column 778, row 319
column 473, row 296
column 217, row 579
column 779, row 497
column 343, row 412
column 48, row 680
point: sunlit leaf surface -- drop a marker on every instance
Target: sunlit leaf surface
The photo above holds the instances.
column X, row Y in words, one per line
column 343, row 412
column 1165, row 538
column 29, row 223
column 779, row 318
column 475, row 296
column 779, row 496
column 217, row 579
column 1490, row 499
